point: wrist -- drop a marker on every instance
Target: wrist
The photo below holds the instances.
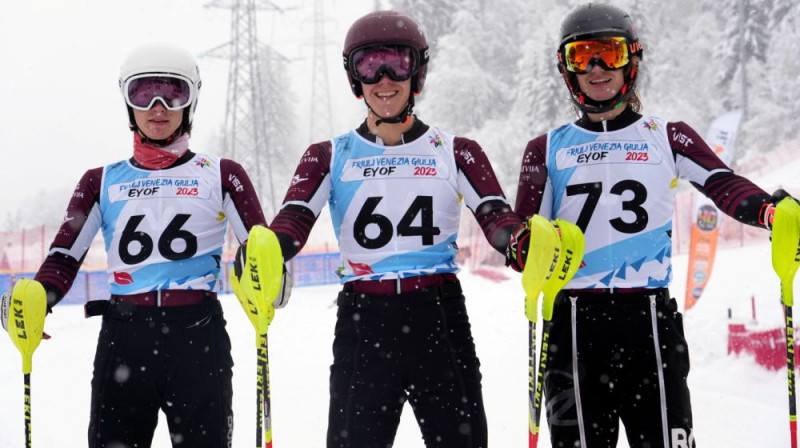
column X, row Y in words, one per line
column 517, row 250
column 766, row 215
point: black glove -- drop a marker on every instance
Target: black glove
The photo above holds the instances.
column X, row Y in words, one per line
column 767, row 214
column 517, row 250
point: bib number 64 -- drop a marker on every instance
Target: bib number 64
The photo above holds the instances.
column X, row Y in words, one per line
column 422, row 206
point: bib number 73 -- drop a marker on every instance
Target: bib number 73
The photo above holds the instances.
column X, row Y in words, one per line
column 593, row 190
column 422, row 206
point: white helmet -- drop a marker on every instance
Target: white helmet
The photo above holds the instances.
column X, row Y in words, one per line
column 165, row 59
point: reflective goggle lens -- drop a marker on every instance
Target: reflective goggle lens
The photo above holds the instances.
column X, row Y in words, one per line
column 368, row 65
column 611, row 52
column 142, row 92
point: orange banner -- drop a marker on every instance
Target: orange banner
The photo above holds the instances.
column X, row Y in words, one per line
column 702, row 249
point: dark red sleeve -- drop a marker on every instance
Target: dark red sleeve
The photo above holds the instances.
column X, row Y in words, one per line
column 307, row 194
column 532, row 178
column 483, row 194
column 244, row 211
column 734, row 195
column 78, row 229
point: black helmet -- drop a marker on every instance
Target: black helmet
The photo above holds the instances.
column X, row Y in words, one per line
column 592, row 21
column 391, row 28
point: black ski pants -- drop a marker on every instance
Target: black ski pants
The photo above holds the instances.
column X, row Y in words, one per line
column 612, row 357
column 173, row 359
column 414, row 347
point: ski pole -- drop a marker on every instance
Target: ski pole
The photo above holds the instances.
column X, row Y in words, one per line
column 785, row 261
column 26, row 328
column 256, row 289
column 543, row 257
column 572, row 248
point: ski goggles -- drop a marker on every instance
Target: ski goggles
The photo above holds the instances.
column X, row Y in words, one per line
column 611, row 53
column 369, row 64
column 142, row 91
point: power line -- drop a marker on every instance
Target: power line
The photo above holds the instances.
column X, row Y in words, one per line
column 245, row 137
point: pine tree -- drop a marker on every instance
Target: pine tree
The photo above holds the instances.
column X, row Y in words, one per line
column 460, row 92
column 435, row 18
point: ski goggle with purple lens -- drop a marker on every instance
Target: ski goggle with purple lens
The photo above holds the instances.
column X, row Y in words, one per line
column 369, row 64
column 142, row 91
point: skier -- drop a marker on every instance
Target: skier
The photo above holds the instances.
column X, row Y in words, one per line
column 163, row 214
column 616, row 345
column 394, row 186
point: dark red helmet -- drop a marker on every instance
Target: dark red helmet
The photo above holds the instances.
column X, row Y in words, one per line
column 386, row 28
column 593, row 21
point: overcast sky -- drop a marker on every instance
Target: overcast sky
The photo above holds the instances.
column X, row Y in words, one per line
column 62, row 111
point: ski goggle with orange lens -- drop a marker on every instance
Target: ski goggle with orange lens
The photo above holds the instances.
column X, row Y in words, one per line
column 611, row 53
column 142, row 91
column 369, row 64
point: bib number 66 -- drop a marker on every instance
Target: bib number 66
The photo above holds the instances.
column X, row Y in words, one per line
column 172, row 233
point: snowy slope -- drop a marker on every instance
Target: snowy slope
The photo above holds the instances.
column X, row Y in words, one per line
column 736, row 403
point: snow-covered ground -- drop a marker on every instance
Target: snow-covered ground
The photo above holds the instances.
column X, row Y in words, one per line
column 736, row 403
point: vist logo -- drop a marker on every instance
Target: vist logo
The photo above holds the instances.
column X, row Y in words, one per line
column 237, row 184
column 682, row 138
column 468, row 158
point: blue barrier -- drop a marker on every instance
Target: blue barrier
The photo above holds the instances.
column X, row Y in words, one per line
column 308, row 270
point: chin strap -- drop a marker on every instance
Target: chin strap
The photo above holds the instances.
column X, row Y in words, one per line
column 402, row 117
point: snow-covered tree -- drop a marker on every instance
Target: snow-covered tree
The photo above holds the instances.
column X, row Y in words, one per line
column 435, row 18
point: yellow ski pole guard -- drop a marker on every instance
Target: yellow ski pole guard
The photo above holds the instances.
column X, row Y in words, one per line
column 786, row 246
column 265, row 270
column 26, row 319
column 572, row 247
column 543, row 257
